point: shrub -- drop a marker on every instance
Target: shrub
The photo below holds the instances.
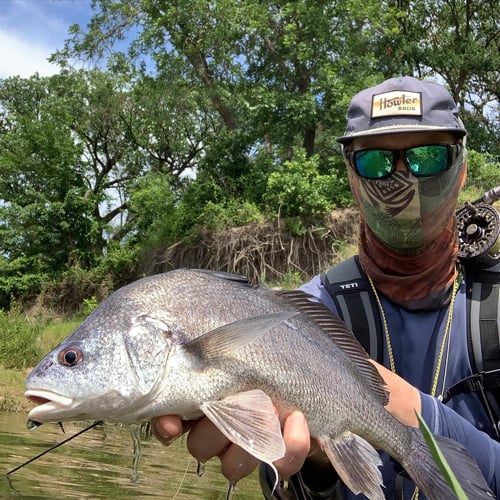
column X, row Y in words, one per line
column 89, row 306
column 66, row 293
column 19, row 280
column 19, row 347
column 298, row 189
column 231, row 213
column 482, row 171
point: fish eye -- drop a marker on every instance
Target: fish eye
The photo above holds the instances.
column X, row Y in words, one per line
column 71, row 356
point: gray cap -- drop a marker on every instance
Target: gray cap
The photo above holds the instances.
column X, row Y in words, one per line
column 402, row 104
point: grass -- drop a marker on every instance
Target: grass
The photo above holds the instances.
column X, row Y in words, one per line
column 12, row 390
column 55, row 331
column 12, row 379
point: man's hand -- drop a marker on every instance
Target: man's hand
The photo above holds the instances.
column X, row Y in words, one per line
column 206, row 441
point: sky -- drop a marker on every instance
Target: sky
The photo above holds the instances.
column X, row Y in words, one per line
column 32, row 30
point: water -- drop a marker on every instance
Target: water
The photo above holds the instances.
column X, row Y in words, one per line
column 98, row 464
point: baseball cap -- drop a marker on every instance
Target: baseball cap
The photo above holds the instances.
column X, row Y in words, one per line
column 403, row 104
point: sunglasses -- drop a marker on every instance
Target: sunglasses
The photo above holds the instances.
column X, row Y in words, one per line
column 421, row 161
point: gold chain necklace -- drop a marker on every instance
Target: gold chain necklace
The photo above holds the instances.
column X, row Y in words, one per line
column 444, row 342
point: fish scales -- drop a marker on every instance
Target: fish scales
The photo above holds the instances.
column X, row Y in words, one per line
column 193, row 342
column 285, row 360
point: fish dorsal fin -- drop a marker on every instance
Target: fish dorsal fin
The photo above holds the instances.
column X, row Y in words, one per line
column 221, row 341
column 249, row 420
column 236, row 278
column 338, row 331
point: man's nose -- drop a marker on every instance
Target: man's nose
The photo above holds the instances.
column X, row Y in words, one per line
column 400, row 165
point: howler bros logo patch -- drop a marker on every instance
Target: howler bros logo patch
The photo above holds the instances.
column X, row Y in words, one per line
column 397, row 103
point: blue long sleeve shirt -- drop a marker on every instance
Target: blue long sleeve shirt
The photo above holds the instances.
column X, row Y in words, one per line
column 416, row 338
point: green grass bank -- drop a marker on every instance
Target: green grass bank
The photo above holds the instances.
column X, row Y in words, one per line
column 23, row 343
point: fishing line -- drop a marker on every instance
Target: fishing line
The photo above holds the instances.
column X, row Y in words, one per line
column 183, row 477
column 97, row 422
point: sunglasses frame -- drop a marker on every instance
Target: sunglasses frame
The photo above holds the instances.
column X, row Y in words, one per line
column 453, row 150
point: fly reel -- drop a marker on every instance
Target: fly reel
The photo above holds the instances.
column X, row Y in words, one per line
column 479, row 231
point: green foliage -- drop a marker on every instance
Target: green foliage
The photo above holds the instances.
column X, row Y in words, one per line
column 55, row 330
column 116, row 268
column 9, row 403
column 21, row 280
column 197, row 194
column 68, row 292
column 231, row 213
column 483, row 130
column 296, row 226
column 152, row 203
column 19, row 340
column 233, row 119
column 41, row 186
column 483, row 171
column 297, row 188
column 440, row 460
column 89, row 305
column 11, row 389
column 291, row 280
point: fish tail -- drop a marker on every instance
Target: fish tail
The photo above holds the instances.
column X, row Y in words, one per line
column 425, row 473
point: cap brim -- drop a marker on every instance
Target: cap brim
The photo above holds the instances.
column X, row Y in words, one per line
column 398, row 129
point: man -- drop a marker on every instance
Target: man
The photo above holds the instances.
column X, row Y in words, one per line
column 404, row 148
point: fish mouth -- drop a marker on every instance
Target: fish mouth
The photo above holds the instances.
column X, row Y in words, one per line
column 51, row 405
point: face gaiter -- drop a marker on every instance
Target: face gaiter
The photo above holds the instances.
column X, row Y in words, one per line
column 408, row 241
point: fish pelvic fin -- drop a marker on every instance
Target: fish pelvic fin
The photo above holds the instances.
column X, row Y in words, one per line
column 249, row 420
column 356, row 462
column 224, row 340
column 425, row 473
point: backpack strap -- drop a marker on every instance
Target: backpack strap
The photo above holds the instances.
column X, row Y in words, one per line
column 351, row 292
column 483, row 338
column 484, row 311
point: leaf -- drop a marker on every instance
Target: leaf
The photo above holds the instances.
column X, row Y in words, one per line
column 440, row 460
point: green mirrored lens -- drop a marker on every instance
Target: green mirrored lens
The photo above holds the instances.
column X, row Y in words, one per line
column 427, row 160
column 373, row 163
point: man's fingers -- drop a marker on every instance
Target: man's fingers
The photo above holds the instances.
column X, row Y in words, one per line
column 236, row 463
column 297, row 441
column 169, row 427
column 206, row 441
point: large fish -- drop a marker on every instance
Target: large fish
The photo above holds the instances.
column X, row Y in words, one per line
column 191, row 342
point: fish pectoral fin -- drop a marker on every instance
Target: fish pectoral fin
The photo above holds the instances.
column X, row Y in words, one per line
column 356, row 462
column 220, row 342
column 249, row 420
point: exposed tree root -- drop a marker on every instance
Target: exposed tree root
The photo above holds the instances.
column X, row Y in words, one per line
column 263, row 252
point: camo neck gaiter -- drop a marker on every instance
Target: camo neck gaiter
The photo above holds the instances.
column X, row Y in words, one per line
column 408, row 241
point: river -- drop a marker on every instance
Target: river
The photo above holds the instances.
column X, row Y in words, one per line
column 98, row 464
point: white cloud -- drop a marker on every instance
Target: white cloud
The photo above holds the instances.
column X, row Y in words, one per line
column 21, row 57
column 32, row 30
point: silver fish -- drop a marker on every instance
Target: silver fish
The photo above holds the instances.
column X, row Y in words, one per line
column 194, row 342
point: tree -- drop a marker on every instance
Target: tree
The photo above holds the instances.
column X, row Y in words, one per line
column 65, row 165
column 271, row 75
column 74, row 147
column 40, row 189
column 458, row 42
column 277, row 74
column 215, row 104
